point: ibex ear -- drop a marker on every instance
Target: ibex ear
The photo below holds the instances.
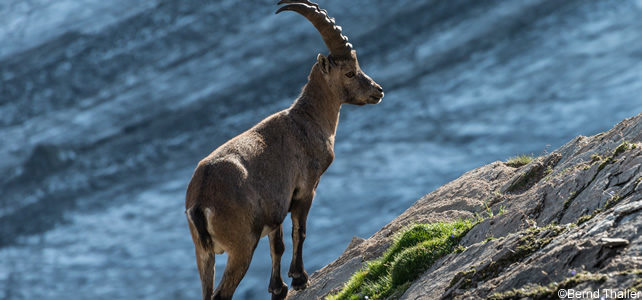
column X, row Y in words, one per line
column 324, row 63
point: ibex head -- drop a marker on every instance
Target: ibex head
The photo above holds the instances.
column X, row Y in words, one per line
column 341, row 68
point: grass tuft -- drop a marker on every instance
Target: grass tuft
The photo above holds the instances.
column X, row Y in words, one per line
column 413, row 252
column 520, row 160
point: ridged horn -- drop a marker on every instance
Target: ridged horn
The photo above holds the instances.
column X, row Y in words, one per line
column 336, row 42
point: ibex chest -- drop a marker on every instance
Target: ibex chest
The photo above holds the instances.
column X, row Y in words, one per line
column 323, row 159
column 319, row 156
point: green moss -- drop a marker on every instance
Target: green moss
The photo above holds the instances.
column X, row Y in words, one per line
column 548, row 291
column 520, row 160
column 583, row 219
column 459, row 249
column 417, row 234
column 522, row 183
column 488, row 239
column 413, row 252
column 547, row 173
column 609, row 203
column 607, row 161
column 612, row 201
column 533, row 239
column 533, row 174
column 570, row 199
column 466, row 276
column 624, row 146
column 413, row 261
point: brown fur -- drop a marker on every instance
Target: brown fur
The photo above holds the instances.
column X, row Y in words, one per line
column 248, row 185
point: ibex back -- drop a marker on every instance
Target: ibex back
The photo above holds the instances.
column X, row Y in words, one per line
column 245, row 188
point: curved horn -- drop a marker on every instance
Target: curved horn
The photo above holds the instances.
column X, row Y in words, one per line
column 330, row 32
column 300, row 1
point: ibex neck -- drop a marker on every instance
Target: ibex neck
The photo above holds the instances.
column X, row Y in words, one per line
column 319, row 105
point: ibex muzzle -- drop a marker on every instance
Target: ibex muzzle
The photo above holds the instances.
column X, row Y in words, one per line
column 245, row 188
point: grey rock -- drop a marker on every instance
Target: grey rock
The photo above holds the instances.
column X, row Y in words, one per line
column 613, row 243
column 568, row 213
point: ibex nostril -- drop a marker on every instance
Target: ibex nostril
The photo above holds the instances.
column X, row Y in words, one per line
column 379, row 88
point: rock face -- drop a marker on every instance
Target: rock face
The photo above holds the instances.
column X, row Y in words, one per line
column 569, row 219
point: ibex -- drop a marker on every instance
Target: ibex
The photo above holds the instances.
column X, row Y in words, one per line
column 245, row 188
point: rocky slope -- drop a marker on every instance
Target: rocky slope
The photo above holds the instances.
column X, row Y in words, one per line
column 107, row 106
column 570, row 219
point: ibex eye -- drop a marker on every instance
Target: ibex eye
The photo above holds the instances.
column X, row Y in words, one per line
column 350, row 74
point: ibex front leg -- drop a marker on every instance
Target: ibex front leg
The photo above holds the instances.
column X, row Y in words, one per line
column 277, row 287
column 299, row 214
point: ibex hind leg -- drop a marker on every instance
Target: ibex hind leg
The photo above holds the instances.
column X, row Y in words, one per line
column 205, row 260
column 238, row 261
column 204, row 245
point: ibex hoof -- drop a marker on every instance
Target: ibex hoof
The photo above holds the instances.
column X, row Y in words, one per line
column 300, row 283
column 281, row 294
column 276, row 288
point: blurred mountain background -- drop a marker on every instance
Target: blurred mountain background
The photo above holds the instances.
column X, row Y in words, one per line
column 107, row 106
